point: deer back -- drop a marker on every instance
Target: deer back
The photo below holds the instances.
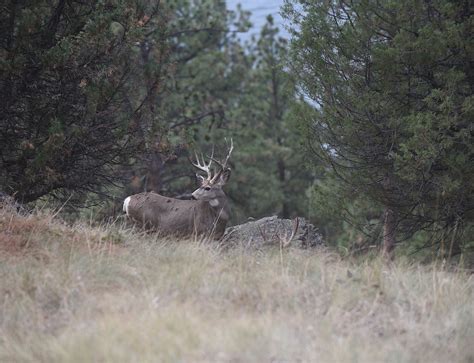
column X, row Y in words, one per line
column 171, row 216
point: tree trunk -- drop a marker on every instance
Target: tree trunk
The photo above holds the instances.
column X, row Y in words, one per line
column 155, row 170
column 389, row 233
column 285, row 213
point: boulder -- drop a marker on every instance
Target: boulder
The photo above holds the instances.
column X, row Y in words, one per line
column 273, row 231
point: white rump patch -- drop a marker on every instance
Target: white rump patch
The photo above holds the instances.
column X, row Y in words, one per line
column 214, row 202
column 126, row 202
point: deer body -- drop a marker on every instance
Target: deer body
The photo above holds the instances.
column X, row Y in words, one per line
column 178, row 217
column 207, row 215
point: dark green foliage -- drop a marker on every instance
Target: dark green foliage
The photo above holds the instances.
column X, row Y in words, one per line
column 70, row 108
column 254, row 95
column 391, row 82
column 192, row 99
column 270, row 164
column 220, row 88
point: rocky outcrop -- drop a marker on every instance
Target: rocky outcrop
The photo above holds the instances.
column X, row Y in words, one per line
column 273, row 231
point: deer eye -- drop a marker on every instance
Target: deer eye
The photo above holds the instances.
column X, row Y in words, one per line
column 207, row 188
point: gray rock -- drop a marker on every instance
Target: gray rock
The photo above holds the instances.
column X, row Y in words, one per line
column 273, row 231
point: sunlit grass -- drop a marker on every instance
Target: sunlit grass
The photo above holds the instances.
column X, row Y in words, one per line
column 84, row 294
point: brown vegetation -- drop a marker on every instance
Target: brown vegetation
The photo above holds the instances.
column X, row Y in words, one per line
column 109, row 294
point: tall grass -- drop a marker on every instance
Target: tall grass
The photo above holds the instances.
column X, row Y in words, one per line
column 83, row 294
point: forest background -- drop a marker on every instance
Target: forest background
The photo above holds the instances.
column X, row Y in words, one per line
column 361, row 121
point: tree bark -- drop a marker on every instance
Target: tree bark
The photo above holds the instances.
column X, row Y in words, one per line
column 389, row 233
column 53, row 24
column 285, row 212
column 155, row 171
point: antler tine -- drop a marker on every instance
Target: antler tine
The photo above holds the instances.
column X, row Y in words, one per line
column 230, row 150
column 224, row 164
column 202, row 165
column 211, row 158
column 206, row 167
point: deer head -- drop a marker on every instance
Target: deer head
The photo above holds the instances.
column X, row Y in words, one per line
column 210, row 188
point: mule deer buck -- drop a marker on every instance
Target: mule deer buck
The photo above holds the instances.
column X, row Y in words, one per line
column 206, row 215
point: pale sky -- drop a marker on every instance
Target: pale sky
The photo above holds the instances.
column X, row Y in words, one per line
column 260, row 9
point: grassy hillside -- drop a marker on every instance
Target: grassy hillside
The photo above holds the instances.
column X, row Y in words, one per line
column 83, row 294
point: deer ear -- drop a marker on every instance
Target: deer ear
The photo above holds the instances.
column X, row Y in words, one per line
column 200, row 178
column 224, row 177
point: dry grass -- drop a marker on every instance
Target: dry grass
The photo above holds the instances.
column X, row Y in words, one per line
column 82, row 294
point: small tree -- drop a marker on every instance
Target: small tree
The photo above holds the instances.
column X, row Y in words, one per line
column 71, row 108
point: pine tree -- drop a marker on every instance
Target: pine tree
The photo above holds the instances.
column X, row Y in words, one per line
column 272, row 167
column 391, row 82
column 71, row 111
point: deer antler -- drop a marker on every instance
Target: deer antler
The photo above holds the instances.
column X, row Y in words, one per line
column 206, row 167
column 229, row 152
column 223, row 165
column 202, row 165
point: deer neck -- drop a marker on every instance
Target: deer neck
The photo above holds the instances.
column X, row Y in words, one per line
column 219, row 207
column 214, row 203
